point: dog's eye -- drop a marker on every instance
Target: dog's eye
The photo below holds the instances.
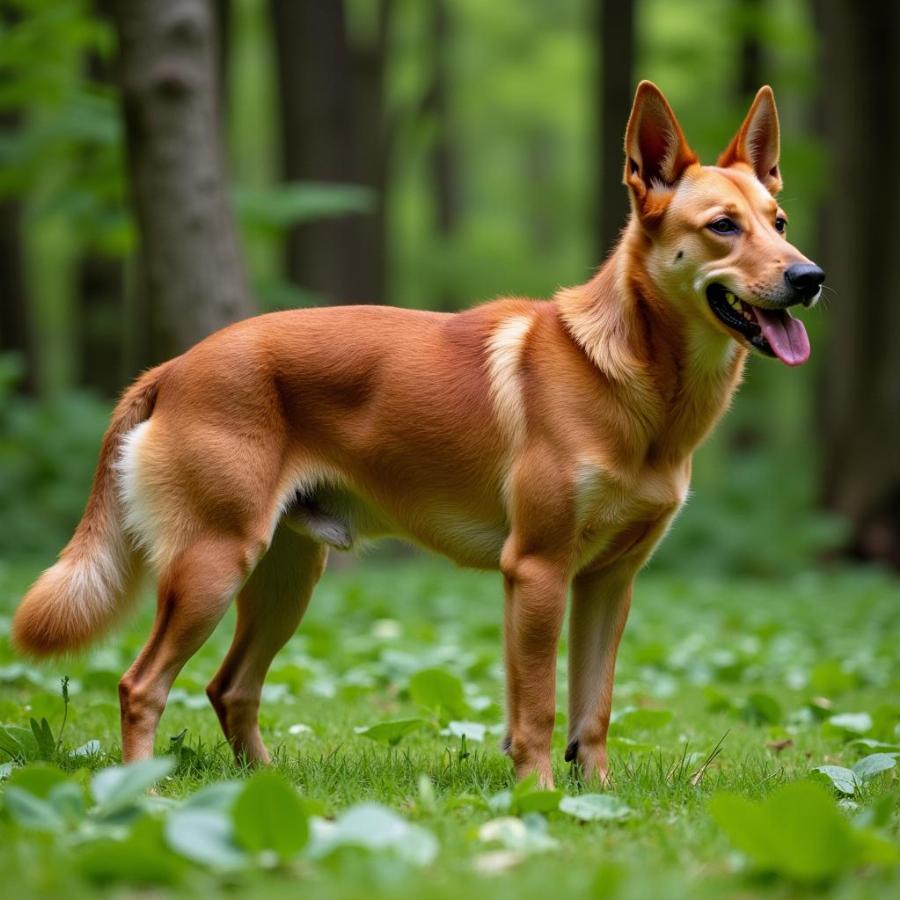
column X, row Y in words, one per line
column 780, row 224
column 723, row 225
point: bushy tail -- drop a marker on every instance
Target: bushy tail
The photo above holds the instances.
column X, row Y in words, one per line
column 76, row 600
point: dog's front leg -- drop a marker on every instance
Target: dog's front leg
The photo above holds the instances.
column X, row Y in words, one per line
column 600, row 604
column 536, row 590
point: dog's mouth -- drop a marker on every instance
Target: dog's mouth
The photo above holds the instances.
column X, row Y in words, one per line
column 773, row 332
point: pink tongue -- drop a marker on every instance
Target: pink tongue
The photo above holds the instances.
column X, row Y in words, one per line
column 786, row 335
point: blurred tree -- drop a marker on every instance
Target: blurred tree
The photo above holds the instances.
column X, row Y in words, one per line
column 750, row 71
column 192, row 273
column 331, row 94
column 16, row 331
column 100, row 276
column 861, row 400
column 443, row 161
column 615, row 40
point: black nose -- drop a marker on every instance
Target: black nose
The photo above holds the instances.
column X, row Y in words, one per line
column 804, row 278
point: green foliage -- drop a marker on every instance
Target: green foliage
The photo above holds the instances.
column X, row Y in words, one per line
column 391, row 733
column 799, row 833
column 48, row 452
column 340, row 812
column 595, row 808
column 439, row 692
column 848, row 781
column 268, row 815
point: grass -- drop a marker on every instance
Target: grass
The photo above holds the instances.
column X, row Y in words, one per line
column 745, row 676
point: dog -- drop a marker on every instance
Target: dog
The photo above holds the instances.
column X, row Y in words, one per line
column 550, row 440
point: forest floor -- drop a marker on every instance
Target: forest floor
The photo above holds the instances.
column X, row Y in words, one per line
column 729, row 695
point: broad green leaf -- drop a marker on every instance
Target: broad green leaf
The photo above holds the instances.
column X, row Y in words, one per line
column 878, row 746
column 142, row 858
column 118, row 786
column 440, row 692
column 830, row 678
column 745, row 823
column 515, row 834
column 32, row 812
column 853, row 723
column 875, row 763
column 18, row 742
column 205, row 836
column 38, row 779
column 90, row 748
column 797, row 832
column 390, row 733
column 67, row 798
column 844, row 780
column 539, row 802
column 814, row 838
column 377, row 829
column 220, row 795
column 269, row 815
column 595, row 808
column 762, row 708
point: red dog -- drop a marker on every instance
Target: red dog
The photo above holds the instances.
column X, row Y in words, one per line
column 549, row 440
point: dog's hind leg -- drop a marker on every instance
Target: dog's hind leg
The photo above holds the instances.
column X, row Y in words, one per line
column 194, row 592
column 270, row 607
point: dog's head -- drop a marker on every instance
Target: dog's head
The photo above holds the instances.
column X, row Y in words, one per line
column 715, row 236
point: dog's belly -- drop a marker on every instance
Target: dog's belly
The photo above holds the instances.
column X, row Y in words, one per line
column 343, row 519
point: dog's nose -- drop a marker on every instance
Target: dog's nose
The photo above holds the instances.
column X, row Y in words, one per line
column 804, row 278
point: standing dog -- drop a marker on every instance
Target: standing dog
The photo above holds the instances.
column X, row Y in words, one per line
column 549, row 440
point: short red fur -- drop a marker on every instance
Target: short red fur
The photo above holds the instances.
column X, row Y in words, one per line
column 551, row 440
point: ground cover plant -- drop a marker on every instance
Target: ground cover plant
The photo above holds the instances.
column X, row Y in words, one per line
column 754, row 753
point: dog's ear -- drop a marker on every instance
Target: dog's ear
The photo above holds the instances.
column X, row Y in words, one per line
column 758, row 142
column 656, row 152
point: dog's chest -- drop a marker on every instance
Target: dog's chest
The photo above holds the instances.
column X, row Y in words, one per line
column 616, row 515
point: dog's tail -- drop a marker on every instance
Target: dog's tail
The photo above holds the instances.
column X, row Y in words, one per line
column 76, row 600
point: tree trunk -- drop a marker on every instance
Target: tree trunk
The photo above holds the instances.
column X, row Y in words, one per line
column 614, row 37
column 16, row 332
column 16, row 326
column 192, row 269
column 750, row 64
column 443, row 159
column 100, row 283
column 101, row 291
column 332, row 130
column 861, row 399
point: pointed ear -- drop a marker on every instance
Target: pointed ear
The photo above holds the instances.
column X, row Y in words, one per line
column 656, row 152
column 758, row 142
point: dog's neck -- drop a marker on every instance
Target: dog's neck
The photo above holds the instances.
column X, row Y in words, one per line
column 675, row 376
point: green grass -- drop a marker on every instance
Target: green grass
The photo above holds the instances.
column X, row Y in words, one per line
column 733, row 665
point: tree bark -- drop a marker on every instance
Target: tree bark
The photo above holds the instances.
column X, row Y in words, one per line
column 861, row 399
column 193, row 274
column 332, row 130
column 615, row 41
